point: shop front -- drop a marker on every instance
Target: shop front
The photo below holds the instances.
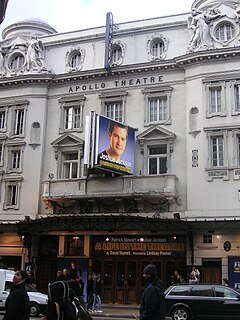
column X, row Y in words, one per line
column 120, row 261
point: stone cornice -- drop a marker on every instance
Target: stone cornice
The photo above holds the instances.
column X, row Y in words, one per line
column 207, row 55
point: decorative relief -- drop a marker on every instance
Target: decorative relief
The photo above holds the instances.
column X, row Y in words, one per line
column 118, row 50
column 157, row 47
column 209, row 25
column 221, row 173
column 22, row 55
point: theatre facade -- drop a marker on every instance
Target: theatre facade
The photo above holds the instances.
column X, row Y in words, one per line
column 172, row 198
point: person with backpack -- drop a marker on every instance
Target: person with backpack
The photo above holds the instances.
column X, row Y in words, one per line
column 59, row 305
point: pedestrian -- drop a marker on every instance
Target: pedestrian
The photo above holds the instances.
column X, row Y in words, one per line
column 74, row 272
column 152, row 306
column 97, row 303
column 194, row 276
column 90, row 293
column 17, row 303
column 177, row 278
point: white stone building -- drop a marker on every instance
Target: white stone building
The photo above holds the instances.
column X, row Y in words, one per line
column 176, row 81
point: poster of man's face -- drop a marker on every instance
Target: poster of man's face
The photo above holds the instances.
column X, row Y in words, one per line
column 115, row 146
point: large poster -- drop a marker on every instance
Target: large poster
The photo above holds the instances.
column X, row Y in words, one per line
column 234, row 272
column 114, row 146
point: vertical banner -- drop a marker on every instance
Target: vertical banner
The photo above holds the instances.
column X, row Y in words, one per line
column 234, row 272
column 108, row 43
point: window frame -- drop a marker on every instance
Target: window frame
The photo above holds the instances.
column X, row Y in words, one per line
column 12, row 149
column 18, row 60
column 69, row 162
column 4, row 110
column 75, row 52
column 158, row 157
column 216, row 134
column 209, row 88
column 224, row 25
column 74, row 103
column 74, row 145
column 159, row 54
column 119, row 50
column 158, row 93
column 9, row 184
column 233, row 86
column 18, row 130
column 114, row 98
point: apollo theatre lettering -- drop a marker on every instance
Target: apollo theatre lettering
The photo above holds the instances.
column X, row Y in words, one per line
column 116, row 84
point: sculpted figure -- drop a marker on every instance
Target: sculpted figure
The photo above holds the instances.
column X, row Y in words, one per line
column 2, row 67
column 199, row 26
column 34, row 59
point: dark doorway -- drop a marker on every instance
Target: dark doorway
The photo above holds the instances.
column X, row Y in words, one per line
column 122, row 281
column 212, row 271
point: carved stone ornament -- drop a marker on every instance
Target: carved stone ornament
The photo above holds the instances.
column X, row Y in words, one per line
column 121, row 49
column 205, row 20
column 74, row 59
column 157, row 40
column 22, row 55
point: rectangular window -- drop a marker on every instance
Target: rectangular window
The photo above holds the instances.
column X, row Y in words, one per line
column 71, row 114
column 114, row 110
column 70, row 165
column 217, row 151
column 12, row 195
column 215, row 100
column 19, row 122
column 158, row 109
column 74, row 246
column 238, row 150
column 236, row 98
column 157, row 159
column 1, row 153
column 15, row 159
column 72, row 118
column 2, row 120
column 207, row 238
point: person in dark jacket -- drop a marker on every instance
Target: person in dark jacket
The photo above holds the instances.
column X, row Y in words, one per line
column 152, row 306
column 17, row 303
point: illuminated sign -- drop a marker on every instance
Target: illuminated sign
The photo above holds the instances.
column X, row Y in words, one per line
column 136, row 246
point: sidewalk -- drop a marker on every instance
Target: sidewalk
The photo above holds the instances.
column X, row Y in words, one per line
column 117, row 311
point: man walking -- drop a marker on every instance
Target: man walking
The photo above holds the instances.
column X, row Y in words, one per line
column 152, row 306
column 17, row 303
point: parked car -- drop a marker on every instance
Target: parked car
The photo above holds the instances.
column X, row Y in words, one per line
column 38, row 301
column 203, row 301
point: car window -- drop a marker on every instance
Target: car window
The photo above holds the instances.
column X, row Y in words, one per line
column 201, row 291
column 179, row 291
column 225, row 293
column 8, row 285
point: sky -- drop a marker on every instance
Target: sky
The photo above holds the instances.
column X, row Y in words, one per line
column 69, row 15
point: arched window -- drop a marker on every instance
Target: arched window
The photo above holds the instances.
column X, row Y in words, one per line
column 116, row 53
column 225, row 32
column 75, row 59
column 16, row 62
column 157, row 48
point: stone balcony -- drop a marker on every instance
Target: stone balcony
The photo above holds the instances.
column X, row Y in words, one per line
column 126, row 186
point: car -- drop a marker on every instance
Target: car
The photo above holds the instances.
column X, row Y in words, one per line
column 202, row 301
column 38, row 300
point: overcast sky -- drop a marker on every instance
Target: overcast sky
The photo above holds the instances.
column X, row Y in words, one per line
column 69, row 15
